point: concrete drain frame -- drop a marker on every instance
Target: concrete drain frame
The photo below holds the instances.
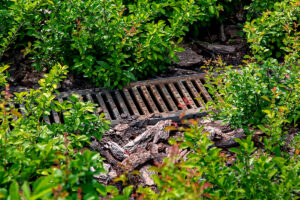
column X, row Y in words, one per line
column 157, row 99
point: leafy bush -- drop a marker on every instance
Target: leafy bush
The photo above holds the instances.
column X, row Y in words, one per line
column 257, row 7
column 243, row 97
column 268, row 35
column 49, row 161
column 104, row 40
column 204, row 174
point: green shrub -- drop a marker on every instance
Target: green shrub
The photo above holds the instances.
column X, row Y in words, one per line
column 48, row 161
column 105, row 41
column 257, row 7
column 243, row 96
column 269, row 33
column 204, row 174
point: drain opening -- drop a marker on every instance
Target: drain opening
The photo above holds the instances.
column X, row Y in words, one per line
column 199, row 91
column 117, row 103
column 182, row 96
column 135, row 102
column 154, row 99
column 163, row 98
column 109, row 108
column 84, row 98
column 126, row 102
column 173, row 97
column 51, row 118
column 144, row 99
column 191, row 94
column 61, row 117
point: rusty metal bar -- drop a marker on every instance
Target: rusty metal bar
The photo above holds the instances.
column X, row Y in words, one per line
column 103, row 106
column 122, row 103
column 169, row 98
column 167, row 80
column 90, row 98
column 131, row 102
column 195, row 93
column 203, row 90
column 55, row 117
column 113, row 105
column 140, row 101
column 177, row 96
column 149, row 99
column 186, row 95
column 159, row 98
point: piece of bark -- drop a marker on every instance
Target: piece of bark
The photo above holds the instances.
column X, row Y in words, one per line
column 117, row 151
column 221, row 135
column 142, row 140
column 218, row 48
column 136, row 159
column 96, row 146
column 146, row 174
column 153, row 148
column 214, row 132
column 159, row 158
column 161, row 134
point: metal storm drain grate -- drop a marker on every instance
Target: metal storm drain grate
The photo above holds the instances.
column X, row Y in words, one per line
column 164, row 98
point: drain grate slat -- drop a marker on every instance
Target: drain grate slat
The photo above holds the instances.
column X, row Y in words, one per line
column 113, row 105
column 103, row 106
column 55, row 117
column 181, row 103
column 169, row 98
column 46, row 119
column 131, row 102
column 22, row 109
column 90, row 98
column 122, row 103
column 158, row 98
column 149, row 99
column 203, row 90
column 196, row 95
column 187, row 96
column 140, row 101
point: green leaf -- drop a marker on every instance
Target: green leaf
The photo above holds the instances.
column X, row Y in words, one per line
column 26, row 190
column 14, row 191
column 266, row 98
column 77, row 123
